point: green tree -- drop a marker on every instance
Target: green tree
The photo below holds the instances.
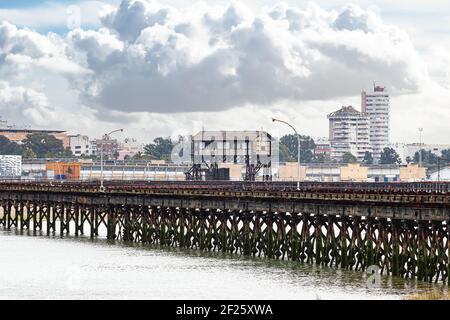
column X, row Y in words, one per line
column 368, row 158
column 8, row 147
column 285, row 154
column 67, row 153
column 390, row 156
column 428, row 158
column 160, row 149
column 307, row 145
column 348, row 157
column 28, row 154
column 44, row 145
column 445, row 155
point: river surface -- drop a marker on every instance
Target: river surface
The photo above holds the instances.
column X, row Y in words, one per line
column 41, row 267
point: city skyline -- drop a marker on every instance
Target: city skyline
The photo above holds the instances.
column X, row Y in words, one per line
column 77, row 79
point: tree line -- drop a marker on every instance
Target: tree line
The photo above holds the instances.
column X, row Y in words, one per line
column 36, row 145
column 161, row 149
column 288, row 152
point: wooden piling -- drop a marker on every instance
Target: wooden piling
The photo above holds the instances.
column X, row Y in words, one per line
column 406, row 248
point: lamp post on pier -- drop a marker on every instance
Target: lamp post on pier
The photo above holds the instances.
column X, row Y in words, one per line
column 420, row 146
column 298, row 149
column 106, row 137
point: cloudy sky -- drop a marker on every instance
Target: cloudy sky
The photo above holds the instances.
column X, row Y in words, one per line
column 172, row 67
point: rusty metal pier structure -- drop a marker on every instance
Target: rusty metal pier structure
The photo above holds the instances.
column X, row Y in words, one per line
column 401, row 227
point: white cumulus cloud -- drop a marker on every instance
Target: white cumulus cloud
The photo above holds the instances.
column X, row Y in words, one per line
column 23, row 51
column 151, row 64
column 156, row 58
column 19, row 103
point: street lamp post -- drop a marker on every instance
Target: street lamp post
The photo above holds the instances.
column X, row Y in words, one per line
column 420, row 146
column 298, row 149
column 107, row 137
column 439, row 170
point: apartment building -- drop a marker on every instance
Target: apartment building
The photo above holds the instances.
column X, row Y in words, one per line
column 109, row 148
column 349, row 132
column 376, row 105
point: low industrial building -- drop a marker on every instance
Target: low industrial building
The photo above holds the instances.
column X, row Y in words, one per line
column 350, row 172
column 134, row 171
column 63, row 171
column 160, row 170
column 289, row 172
column 354, row 172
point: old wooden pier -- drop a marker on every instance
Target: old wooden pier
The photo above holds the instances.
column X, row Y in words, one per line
column 401, row 227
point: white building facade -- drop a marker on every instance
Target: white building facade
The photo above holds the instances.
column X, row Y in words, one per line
column 376, row 105
column 80, row 145
column 93, row 147
column 10, row 166
column 349, row 132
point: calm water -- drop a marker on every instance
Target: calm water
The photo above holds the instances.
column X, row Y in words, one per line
column 40, row 267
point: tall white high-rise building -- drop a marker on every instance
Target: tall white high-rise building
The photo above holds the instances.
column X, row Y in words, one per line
column 376, row 105
column 349, row 132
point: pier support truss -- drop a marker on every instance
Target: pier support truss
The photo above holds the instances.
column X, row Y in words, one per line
column 415, row 248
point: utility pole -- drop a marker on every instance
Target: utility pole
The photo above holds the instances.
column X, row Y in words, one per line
column 439, row 169
column 420, row 146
